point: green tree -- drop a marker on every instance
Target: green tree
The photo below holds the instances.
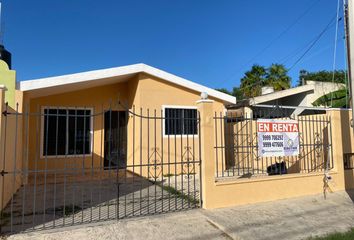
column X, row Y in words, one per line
column 253, row 81
column 339, row 98
column 277, row 77
column 340, row 76
column 237, row 92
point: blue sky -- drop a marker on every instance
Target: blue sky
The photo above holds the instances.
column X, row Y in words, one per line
column 209, row 42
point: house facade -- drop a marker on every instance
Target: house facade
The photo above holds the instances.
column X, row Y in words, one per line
column 135, row 140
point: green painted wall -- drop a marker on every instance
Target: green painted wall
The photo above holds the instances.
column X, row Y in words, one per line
column 8, row 78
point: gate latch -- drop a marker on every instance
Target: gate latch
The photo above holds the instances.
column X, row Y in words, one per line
column 3, row 172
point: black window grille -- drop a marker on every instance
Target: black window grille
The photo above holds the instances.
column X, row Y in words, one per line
column 180, row 121
column 66, row 132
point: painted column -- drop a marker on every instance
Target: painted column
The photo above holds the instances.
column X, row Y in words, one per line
column 205, row 108
column 8, row 79
column 338, row 140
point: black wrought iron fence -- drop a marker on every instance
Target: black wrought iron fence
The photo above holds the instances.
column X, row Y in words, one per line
column 237, row 145
column 73, row 165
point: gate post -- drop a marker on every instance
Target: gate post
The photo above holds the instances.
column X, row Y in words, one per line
column 205, row 108
column 340, row 141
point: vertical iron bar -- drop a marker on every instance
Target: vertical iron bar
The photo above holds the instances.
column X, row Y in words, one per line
column 186, row 123
column 322, row 142
column 169, row 162
column 317, row 143
column 74, row 188
column 228, row 138
column 25, row 160
column 308, row 153
column 330, row 132
column 45, row 168
column 301, row 137
column 65, row 167
column 109, row 153
column 251, row 139
column 56, row 156
column 92, row 151
column 101, row 167
column 194, row 120
column 155, row 160
column 14, row 173
column 238, row 129
column 223, row 168
column 83, row 166
column 181, row 136
column 148, row 159
column 247, row 144
column 243, row 143
column 216, row 143
column 125, row 174
column 162, row 166
column 133, row 155
column 36, row 166
column 232, row 139
column 174, row 117
column 313, row 146
column 3, row 166
column 117, row 167
column 141, row 158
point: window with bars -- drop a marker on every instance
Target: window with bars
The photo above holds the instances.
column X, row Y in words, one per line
column 180, row 121
column 66, row 132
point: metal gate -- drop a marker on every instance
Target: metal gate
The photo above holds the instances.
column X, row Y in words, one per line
column 64, row 166
column 236, row 143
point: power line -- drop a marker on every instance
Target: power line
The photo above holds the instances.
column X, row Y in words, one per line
column 308, row 48
column 279, row 36
column 335, row 50
column 313, row 43
column 282, row 33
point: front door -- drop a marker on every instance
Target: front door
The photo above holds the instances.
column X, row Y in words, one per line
column 115, row 139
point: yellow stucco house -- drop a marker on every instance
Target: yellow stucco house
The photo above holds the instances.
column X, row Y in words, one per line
column 137, row 87
column 135, row 121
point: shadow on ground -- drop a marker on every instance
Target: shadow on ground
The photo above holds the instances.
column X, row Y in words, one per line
column 55, row 201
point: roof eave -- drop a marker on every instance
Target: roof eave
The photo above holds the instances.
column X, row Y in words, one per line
column 42, row 83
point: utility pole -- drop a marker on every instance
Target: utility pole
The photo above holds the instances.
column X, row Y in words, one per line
column 349, row 30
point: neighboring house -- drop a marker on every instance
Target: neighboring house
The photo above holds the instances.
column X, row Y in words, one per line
column 300, row 98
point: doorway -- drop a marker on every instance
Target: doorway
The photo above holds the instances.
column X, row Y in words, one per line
column 115, row 139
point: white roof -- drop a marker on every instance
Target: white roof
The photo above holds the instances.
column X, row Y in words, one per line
column 281, row 94
column 109, row 73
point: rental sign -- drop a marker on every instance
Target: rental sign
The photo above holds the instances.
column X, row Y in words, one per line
column 277, row 137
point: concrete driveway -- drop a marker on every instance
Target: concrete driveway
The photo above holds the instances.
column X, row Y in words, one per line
column 297, row 218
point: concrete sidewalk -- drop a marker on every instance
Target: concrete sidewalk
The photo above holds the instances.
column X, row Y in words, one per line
column 297, row 218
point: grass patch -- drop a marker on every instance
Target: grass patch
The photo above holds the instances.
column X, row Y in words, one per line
column 5, row 215
column 179, row 174
column 69, row 210
column 337, row 236
column 168, row 175
column 64, row 210
column 179, row 194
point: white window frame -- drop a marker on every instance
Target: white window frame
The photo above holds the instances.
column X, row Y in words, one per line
column 164, row 121
column 42, row 155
